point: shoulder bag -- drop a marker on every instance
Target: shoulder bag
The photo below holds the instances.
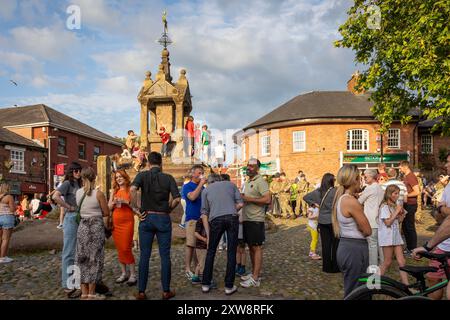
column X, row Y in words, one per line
column 78, row 216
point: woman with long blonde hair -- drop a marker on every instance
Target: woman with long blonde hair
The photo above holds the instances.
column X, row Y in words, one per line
column 351, row 226
column 7, row 221
column 90, row 248
column 123, row 225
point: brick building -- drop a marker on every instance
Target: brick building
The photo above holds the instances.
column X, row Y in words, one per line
column 22, row 164
column 319, row 131
column 65, row 138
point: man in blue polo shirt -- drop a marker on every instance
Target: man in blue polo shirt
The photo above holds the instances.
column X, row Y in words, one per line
column 192, row 195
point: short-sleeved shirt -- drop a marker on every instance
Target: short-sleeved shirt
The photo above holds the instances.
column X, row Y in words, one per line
column 220, row 199
column 388, row 236
column 445, row 245
column 255, row 188
column 205, row 138
column 156, row 188
column 192, row 207
column 69, row 191
column 200, row 229
column 410, row 181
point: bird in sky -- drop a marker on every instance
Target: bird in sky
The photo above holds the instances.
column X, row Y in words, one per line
column 13, row 82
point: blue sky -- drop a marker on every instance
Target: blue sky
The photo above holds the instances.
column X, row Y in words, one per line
column 243, row 58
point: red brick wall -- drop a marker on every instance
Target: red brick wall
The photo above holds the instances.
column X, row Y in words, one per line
column 439, row 142
column 323, row 145
column 34, row 173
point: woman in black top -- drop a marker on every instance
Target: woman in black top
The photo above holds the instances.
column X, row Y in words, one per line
column 322, row 198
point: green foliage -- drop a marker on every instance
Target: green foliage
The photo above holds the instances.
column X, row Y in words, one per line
column 407, row 58
column 443, row 154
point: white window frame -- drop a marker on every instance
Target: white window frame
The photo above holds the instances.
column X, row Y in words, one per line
column 365, row 138
column 299, row 141
column 397, row 132
column 264, row 145
column 422, row 143
column 14, row 159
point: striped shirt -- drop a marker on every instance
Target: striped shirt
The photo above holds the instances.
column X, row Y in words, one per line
column 401, row 185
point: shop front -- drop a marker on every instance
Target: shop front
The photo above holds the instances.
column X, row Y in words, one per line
column 31, row 188
column 371, row 160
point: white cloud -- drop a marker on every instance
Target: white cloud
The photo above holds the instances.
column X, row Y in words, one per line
column 49, row 43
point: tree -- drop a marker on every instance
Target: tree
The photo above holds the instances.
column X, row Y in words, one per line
column 407, row 57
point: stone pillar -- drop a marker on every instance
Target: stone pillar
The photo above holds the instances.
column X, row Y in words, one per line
column 104, row 174
column 144, row 125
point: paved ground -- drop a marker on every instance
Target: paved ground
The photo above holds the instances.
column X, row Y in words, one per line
column 287, row 274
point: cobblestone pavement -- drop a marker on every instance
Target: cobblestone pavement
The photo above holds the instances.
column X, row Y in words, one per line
column 288, row 273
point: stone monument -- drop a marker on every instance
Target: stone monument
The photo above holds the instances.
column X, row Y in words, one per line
column 164, row 103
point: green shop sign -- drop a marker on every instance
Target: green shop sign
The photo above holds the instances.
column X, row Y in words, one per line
column 374, row 158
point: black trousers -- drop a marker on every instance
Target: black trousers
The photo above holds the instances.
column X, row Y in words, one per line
column 218, row 226
column 409, row 226
column 329, row 248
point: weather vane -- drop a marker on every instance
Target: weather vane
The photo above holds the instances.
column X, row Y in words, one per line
column 165, row 40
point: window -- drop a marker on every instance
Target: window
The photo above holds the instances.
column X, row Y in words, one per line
column 62, row 146
column 394, row 138
column 299, row 141
column 96, row 152
column 427, row 143
column 82, row 151
column 265, row 145
column 357, row 140
column 18, row 160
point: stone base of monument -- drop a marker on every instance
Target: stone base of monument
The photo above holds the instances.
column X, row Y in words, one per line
column 178, row 168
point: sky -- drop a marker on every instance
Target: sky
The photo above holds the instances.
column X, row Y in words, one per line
column 243, row 58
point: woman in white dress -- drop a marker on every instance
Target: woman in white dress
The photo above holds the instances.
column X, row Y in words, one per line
column 390, row 216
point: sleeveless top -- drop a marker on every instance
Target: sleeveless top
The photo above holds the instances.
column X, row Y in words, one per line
column 90, row 207
column 348, row 226
column 4, row 207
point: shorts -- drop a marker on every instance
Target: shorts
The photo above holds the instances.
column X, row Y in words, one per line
column 254, row 233
column 7, row 221
column 440, row 274
column 191, row 240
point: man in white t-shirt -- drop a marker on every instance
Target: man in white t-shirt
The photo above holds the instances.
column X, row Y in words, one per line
column 35, row 203
column 219, row 152
column 440, row 241
column 371, row 199
column 392, row 179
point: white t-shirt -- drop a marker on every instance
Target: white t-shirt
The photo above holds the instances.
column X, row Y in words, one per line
column 371, row 198
column 388, row 236
column 34, row 205
column 313, row 213
column 219, row 152
column 445, row 245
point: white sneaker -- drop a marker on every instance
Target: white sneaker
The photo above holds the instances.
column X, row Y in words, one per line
column 205, row 289
column 246, row 277
column 60, row 226
column 230, row 291
column 6, row 260
column 250, row 283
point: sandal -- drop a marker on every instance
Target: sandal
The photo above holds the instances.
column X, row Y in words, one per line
column 122, row 278
column 84, row 297
column 315, row 257
column 95, row 297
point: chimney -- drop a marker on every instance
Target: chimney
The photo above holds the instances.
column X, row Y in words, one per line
column 351, row 84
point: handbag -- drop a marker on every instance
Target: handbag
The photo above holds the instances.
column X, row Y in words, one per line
column 78, row 213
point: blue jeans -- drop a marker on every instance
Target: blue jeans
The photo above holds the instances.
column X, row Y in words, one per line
column 218, row 226
column 161, row 226
column 70, row 228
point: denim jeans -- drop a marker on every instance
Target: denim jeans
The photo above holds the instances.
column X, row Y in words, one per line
column 161, row 226
column 70, row 228
column 218, row 226
column 409, row 226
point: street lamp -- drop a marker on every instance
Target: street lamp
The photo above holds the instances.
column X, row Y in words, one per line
column 49, row 162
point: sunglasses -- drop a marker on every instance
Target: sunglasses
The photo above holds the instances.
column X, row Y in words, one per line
column 76, row 171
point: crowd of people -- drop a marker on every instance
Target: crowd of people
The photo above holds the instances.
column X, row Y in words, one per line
column 363, row 219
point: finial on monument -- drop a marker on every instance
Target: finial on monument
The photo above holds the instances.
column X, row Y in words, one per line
column 165, row 40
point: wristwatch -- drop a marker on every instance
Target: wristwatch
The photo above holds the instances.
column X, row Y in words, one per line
column 426, row 247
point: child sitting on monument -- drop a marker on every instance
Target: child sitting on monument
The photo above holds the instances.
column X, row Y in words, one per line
column 139, row 158
column 165, row 139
